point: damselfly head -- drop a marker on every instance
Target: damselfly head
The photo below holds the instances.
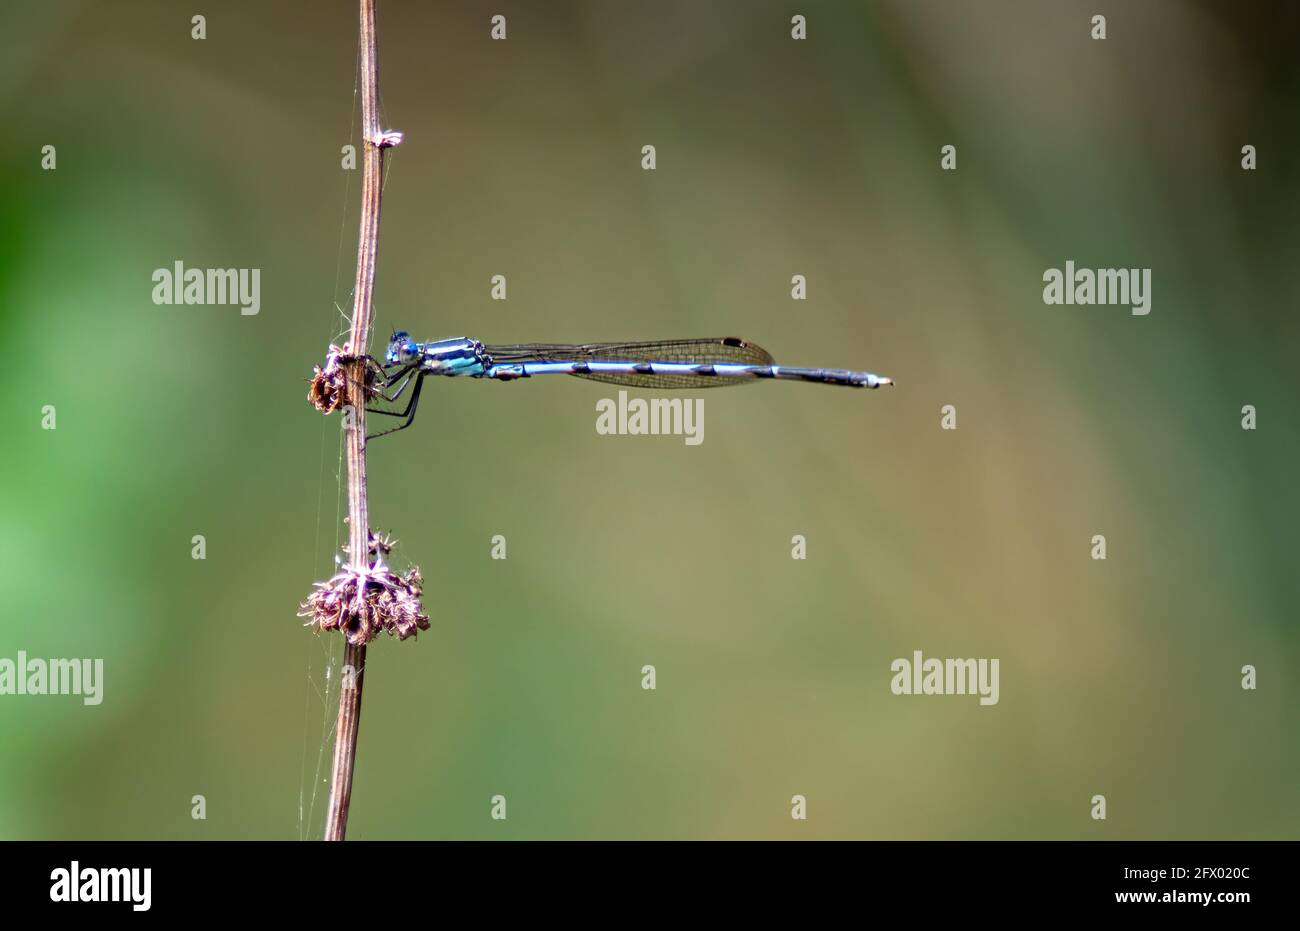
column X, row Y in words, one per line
column 401, row 349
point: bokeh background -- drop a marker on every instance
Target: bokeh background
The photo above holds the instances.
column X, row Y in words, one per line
column 775, row 158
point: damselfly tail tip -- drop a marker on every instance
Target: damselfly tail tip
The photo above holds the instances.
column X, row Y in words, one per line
column 885, row 380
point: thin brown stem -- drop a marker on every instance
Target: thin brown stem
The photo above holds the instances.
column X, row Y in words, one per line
column 354, row 657
column 345, row 742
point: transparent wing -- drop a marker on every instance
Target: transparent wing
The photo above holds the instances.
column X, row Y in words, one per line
column 697, row 351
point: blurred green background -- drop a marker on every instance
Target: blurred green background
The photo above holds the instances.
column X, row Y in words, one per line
column 775, row 158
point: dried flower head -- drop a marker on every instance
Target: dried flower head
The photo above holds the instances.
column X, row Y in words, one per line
column 362, row 604
column 326, row 389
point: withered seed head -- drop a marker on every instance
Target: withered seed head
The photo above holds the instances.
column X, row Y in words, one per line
column 361, row 604
column 326, row 389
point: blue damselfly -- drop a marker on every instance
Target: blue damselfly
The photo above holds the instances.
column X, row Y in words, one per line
column 670, row 363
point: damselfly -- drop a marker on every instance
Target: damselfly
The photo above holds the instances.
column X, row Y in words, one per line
column 670, row 363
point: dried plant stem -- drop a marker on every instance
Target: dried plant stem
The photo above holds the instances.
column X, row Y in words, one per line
column 345, row 744
column 374, row 141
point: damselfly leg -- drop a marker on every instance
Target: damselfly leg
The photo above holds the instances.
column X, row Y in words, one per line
column 411, row 372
